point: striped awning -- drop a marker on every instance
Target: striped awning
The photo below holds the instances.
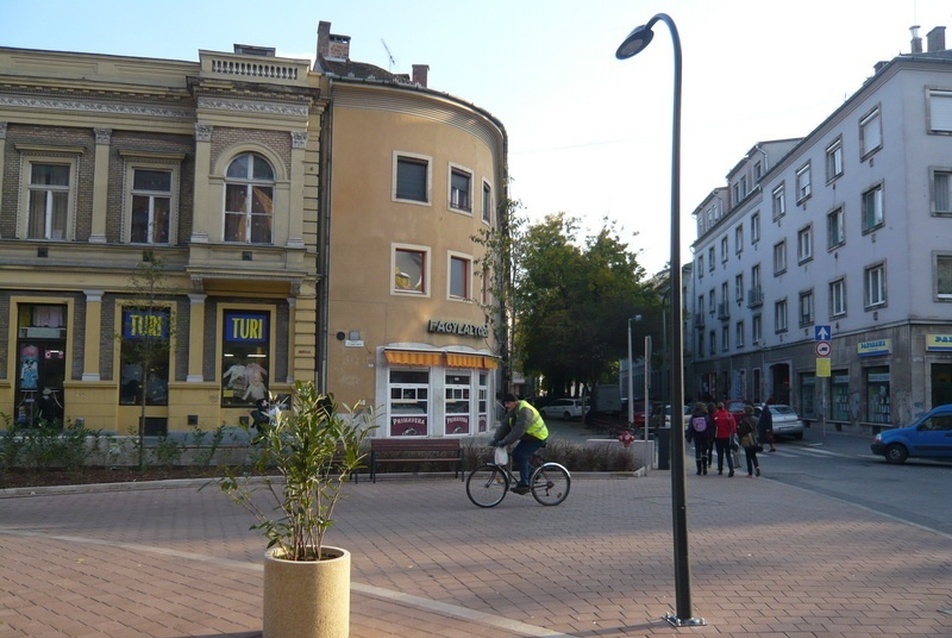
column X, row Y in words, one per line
column 410, row 358
column 454, row 360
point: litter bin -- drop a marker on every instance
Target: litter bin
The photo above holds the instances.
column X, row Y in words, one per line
column 664, row 448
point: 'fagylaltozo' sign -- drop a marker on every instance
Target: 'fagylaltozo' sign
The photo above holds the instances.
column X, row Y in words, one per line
column 458, row 328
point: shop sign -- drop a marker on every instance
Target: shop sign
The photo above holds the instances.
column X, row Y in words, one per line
column 874, row 348
column 457, row 424
column 939, row 343
column 244, row 327
column 408, row 426
column 145, row 324
column 458, row 328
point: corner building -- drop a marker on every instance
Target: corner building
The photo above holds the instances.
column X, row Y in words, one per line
column 231, row 174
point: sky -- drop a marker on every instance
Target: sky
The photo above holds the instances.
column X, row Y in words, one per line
column 589, row 135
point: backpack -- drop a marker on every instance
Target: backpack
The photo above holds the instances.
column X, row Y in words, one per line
column 698, row 423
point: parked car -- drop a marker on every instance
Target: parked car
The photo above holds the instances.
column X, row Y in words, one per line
column 564, row 409
column 786, row 422
column 929, row 436
column 736, row 408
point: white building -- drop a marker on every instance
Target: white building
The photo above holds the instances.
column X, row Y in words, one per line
column 850, row 228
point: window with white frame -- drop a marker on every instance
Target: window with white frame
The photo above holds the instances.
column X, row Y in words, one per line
column 941, row 194
column 780, row 315
column 805, row 244
column 700, row 306
column 710, row 258
column 410, row 268
column 249, row 200
column 873, row 208
column 803, row 182
column 488, row 206
column 758, row 172
column 806, row 308
column 725, row 308
column 875, row 285
column 755, row 227
column 712, row 301
column 724, row 249
column 739, row 335
column 943, row 277
column 412, row 177
column 756, row 293
column 712, row 349
column 870, row 133
column 725, row 337
column 834, row 160
column 49, row 196
column 756, row 329
column 838, row 297
column 739, row 287
column 739, row 239
column 835, row 229
column 151, row 204
column 940, row 111
column 461, row 187
column 700, row 266
column 779, row 202
column 460, row 283
column 780, row 257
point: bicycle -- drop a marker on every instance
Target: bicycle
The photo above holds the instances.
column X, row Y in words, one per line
column 488, row 484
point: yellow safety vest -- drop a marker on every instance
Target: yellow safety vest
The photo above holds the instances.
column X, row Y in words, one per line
column 537, row 427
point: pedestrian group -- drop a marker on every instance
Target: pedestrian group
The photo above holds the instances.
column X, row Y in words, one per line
column 713, row 429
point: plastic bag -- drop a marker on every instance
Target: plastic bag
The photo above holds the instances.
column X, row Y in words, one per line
column 500, row 456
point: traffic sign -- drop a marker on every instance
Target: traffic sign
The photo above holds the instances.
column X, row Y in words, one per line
column 823, row 349
column 822, row 333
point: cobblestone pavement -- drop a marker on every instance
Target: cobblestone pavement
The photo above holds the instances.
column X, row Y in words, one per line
column 767, row 560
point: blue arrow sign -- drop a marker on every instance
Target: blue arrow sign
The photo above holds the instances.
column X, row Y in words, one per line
column 822, row 333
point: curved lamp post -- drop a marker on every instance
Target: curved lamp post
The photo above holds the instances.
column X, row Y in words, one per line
column 636, row 41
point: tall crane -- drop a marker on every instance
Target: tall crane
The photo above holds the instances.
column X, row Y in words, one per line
column 389, row 55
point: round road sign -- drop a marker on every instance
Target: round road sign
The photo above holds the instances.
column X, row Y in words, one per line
column 823, row 349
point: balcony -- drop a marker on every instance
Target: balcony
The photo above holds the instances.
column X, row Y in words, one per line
column 723, row 311
column 755, row 297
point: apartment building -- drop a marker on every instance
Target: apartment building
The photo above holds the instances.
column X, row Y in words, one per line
column 847, row 228
column 310, row 223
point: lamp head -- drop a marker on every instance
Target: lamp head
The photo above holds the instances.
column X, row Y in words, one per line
column 636, row 41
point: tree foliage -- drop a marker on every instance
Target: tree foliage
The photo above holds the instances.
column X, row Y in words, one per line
column 572, row 302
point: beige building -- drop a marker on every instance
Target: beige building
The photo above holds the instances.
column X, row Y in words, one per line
column 308, row 223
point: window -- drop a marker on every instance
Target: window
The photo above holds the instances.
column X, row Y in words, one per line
column 873, row 208
column 803, row 182
column 943, row 276
column 410, row 271
column 700, row 306
column 700, row 266
column 710, row 258
column 739, row 335
column 779, row 202
column 835, row 229
column 756, row 296
column 460, row 283
column 461, row 182
column 758, row 172
column 780, row 315
column 724, row 250
column 700, row 344
column 711, row 301
column 151, row 206
column 780, row 258
column 246, row 338
column 834, row 160
column 805, row 244
column 144, row 346
column 755, row 228
column 712, row 349
column 724, row 310
column 838, row 298
column 456, row 393
column 249, row 199
column 411, row 179
column 806, row 308
column 756, row 329
column 870, row 134
column 739, row 239
column 409, row 402
column 941, row 183
column 49, row 201
column 940, row 111
column 488, row 203
column 725, row 337
column 875, row 285
column 739, row 287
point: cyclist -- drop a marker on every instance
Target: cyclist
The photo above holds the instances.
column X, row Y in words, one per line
column 524, row 424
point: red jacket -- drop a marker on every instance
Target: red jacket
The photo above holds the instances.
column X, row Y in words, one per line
column 724, row 424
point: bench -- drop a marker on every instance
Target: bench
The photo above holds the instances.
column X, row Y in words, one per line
column 415, row 450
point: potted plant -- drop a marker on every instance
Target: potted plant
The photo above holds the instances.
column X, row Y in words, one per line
column 302, row 462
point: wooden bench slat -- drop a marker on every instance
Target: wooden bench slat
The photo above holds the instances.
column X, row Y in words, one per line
column 421, row 446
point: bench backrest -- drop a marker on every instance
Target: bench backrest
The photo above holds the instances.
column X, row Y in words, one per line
column 414, row 445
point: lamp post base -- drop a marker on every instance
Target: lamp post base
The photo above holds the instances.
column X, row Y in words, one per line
column 674, row 621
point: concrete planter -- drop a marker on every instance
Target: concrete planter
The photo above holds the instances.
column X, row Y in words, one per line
column 307, row 599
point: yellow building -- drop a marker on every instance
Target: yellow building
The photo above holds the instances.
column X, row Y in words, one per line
column 305, row 224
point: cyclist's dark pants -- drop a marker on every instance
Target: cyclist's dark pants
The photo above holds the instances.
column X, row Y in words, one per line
column 521, row 454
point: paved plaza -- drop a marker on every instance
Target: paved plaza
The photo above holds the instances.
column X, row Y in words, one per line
column 767, row 560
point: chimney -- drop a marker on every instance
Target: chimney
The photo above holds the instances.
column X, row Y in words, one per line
column 419, row 74
column 916, row 40
column 936, row 40
column 330, row 45
column 323, row 38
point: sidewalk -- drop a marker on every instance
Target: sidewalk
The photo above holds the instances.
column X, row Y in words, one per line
column 767, row 560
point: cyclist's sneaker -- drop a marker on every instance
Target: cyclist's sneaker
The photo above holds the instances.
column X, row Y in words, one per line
column 521, row 489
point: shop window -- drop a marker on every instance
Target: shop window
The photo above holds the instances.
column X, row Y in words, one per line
column 41, row 362
column 144, row 356
column 409, row 402
column 246, row 354
column 482, row 407
column 840, row 405
column 457, row 395
column 877, row 395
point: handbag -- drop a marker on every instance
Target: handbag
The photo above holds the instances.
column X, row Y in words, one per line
column 735, row 442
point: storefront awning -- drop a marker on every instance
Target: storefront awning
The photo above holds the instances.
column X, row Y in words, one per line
column 408, row 358
column 490, row 363
column 464, row 360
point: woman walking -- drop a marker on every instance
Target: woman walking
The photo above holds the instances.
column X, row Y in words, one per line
column 724, row 428
column 747, row 431
column 700, row 429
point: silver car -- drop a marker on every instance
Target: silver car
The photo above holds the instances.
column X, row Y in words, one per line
column 786, row 422
column 564, row 409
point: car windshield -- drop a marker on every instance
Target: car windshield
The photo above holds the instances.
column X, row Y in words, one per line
column 782, row 409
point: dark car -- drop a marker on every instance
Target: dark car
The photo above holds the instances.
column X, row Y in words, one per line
column 929, row 436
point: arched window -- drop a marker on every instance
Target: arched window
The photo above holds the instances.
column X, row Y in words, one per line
column 249, row 199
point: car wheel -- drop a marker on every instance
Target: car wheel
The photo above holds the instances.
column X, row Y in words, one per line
column 566, row 416
column 896, row 453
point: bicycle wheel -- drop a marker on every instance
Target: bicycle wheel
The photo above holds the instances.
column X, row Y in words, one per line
column 551, row 484
column 487, row 485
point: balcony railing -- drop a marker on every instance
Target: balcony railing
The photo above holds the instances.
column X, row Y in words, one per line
column 755, row 297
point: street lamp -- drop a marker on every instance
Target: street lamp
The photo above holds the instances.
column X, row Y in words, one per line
column 631, row 372
column 636, row 41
